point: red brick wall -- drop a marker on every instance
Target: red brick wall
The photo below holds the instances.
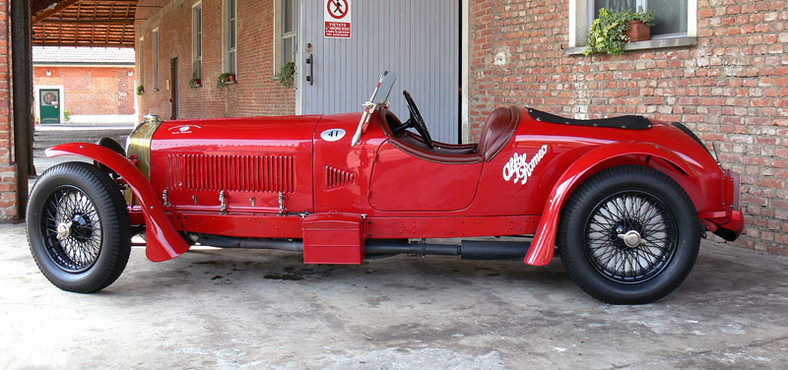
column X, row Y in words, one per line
column 8, row 207
column 91, row 90
column 732, row 88
column 255, row 94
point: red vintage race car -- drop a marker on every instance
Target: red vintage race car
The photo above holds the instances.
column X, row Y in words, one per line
column 625, row 200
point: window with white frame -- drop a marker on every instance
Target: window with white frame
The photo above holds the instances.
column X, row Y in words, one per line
column 289, row 30
column 156, row 59
column 672, row 18
column 285, row 32
column 141, row 71
column 230, row 36
column 197, row 41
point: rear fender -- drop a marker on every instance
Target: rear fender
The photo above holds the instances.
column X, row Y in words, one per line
column 163, row 240
column 543, row 246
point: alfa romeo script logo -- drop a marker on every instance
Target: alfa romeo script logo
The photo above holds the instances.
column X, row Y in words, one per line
column 519, row 168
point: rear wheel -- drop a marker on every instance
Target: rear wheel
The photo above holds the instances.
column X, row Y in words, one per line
column 629, row 235
column 77, row 227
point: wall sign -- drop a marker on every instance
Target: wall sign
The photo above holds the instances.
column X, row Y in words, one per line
column 337, row 16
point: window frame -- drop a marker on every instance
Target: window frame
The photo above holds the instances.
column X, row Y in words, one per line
column 580, row 18
column 230, row 53
column 197, row 65
column 280, row 35
column 156, row 41
column 141, row 72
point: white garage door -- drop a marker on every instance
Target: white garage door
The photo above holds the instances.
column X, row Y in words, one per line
column 420, row 40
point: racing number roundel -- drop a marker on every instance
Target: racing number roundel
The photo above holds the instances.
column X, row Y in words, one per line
column 337, row 8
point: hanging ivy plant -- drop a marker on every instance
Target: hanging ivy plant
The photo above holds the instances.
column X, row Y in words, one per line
column 606, row 34
column 140, row 90
column 286, row 74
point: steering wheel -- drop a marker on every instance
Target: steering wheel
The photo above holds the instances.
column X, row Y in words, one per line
column 415, row 121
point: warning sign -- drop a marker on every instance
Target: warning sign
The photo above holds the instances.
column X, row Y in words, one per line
column 337, row 16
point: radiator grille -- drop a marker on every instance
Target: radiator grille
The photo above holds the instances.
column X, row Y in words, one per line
column 336, row 177
column 246, row 173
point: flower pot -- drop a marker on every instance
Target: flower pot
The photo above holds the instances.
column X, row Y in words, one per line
column 638, row 31
column 231, row 77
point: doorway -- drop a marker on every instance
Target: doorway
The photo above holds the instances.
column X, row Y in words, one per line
column 49, row 105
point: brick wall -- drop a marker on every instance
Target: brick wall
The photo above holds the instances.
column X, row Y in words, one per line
column 8, row 208
column 255, row 94
column 732, row 88
column 91, row 90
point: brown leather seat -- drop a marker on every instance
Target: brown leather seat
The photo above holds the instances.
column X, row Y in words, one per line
column 498, row 130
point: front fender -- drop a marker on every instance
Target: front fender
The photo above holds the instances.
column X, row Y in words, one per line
column 163, row 240
column 543, row 245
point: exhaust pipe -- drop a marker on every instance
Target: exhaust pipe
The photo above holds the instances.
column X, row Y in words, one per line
column 467, row 249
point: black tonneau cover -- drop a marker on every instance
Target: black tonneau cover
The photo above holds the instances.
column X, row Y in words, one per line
column 625, row 122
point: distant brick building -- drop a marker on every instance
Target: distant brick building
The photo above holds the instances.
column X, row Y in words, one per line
column 92, row 84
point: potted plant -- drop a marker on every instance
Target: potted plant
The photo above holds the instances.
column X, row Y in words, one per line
column 196, row 81
column 140, row 90
column 611, row 30
column 225, row 78
column 67, row 115
column 286, row 73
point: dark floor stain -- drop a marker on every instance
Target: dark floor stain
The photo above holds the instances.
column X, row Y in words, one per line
column 213, row 263
column 284, row 277
column 217, row 277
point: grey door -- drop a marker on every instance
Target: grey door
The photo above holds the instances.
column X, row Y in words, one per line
column 418, row 39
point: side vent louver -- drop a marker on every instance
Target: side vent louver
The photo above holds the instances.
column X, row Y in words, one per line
column 247, row 173
column 337, row 177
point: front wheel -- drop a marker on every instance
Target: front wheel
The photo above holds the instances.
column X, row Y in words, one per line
column 78, row 227
column 629, row 235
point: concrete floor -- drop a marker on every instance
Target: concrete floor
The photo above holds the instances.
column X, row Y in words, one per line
column 260, row 309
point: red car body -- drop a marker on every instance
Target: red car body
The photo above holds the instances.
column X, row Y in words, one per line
column 389, row 189
column 270, row 182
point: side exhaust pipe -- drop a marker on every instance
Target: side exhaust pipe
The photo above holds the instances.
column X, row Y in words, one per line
column 467, row 249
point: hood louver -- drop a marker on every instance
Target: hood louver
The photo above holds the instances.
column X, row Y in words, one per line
column 244, row 173
column 337, row 177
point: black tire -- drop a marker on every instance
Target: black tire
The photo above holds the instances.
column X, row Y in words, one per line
column 78, row 227
column 629, row 235
column 114, row 146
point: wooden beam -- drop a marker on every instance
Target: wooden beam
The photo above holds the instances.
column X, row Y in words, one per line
column 97, row 21
column 59, row 7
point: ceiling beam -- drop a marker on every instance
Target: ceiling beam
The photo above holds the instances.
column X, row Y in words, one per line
column 97, row 21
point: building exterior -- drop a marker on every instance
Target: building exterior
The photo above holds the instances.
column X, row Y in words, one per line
column 94, row 85
column 718, row 66
column 727, row 79
column 167, row 60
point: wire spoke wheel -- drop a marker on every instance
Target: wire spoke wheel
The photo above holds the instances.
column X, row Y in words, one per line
column 72, row 229
column 631, row 236
column 78, row 227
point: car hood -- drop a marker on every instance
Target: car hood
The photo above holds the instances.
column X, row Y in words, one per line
column 236, row 132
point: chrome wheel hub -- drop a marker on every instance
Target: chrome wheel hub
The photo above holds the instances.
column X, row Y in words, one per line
column 632, row 239
column 63, row 230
